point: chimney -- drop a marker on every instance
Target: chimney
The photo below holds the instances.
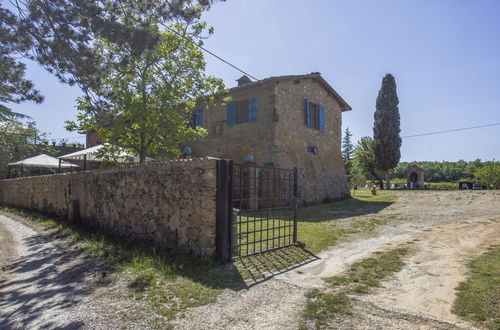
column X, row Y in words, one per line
column 243, row 80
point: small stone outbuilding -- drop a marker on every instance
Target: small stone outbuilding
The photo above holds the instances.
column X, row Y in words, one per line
column 415, row 177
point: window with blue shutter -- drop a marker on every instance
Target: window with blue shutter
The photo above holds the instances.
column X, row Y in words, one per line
column 198, row 118
column 242, row 111
column 321, row 117
column 315, row 115
column 308, row 113
column 231, row 114
column 253, row 113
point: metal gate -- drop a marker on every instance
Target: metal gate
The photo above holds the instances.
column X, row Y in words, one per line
column 256, row 209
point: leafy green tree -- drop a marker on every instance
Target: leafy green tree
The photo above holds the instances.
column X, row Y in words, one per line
column 149, row 102
column 19, row 141
column 386, row 139
column 348, row 152
column 364, row 160
column 489, row 174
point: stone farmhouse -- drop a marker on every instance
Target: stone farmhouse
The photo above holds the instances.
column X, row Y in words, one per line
column 285, row 121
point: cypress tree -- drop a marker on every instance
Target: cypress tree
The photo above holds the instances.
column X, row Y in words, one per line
column 386, row 139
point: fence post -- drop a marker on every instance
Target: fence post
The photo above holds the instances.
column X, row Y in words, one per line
column 224, row 211
column 295, row 204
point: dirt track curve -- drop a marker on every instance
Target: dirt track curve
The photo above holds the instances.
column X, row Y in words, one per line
column 44, row 283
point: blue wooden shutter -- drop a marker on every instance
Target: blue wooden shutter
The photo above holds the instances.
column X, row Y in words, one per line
column 231, row 114
column 253, row 113
column 198, row 118
column 321, row 117
column 308, row 113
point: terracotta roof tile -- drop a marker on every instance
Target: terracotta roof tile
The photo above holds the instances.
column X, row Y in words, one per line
column 312, row 75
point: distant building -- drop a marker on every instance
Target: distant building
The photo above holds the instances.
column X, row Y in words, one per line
column 415, row 177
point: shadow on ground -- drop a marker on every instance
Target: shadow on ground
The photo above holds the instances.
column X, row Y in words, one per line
column 355, row 206
column 261, row 267
column 60, row 276
column 41, row 284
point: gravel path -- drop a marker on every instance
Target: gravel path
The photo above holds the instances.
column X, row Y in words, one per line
column 418, row 298
column 44, row 281
column 47, row 282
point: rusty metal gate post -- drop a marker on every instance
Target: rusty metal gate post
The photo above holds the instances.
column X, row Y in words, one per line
column 224, row 211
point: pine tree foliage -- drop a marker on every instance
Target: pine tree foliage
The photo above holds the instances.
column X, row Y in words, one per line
column 386, row 129
column 347, row 146
column 348, row 153
column 14, row 87
column 64, row 37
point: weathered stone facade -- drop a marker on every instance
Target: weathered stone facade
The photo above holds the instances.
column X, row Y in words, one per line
column 281, row 135
column 171, row 204
column 415, row 177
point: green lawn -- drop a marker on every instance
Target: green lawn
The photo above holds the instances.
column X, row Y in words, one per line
column 319, row 227
column 324, row 225
column 478, row 297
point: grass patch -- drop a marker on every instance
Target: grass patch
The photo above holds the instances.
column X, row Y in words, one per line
column 360, row 279
column 325, row 225
column 478, row 297
column 169, row 282
column 321, row 306
column 370, row 272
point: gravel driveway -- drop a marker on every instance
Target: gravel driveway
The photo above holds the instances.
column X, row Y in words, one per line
column 447, row 228
column 47, row 283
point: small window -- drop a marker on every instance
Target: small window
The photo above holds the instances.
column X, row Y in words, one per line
column 198, row 118
column 242, row 111
column 315, row 115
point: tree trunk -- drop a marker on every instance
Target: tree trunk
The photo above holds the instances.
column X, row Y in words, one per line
column 381, row 183
column 388, row 179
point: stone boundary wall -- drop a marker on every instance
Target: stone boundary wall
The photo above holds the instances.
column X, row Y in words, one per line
column 171, row 204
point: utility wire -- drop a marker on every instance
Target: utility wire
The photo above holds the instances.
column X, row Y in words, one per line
column 211, row 53
column 451, row 130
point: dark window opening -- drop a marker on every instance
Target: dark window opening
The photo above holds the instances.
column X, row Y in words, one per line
column 314, row 115
column 241, row 111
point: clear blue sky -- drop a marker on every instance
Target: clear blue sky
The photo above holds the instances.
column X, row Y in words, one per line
column 445, row 55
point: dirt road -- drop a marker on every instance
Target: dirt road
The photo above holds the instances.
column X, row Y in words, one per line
column 45, row 283
column 447, row 228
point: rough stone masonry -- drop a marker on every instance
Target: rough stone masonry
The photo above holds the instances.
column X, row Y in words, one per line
column 171, row 204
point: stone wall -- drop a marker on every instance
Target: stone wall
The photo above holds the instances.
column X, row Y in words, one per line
column 171, row 204
column 238, row 141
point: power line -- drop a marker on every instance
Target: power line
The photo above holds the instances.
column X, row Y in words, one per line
column 451, row 130
column 211, row 53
